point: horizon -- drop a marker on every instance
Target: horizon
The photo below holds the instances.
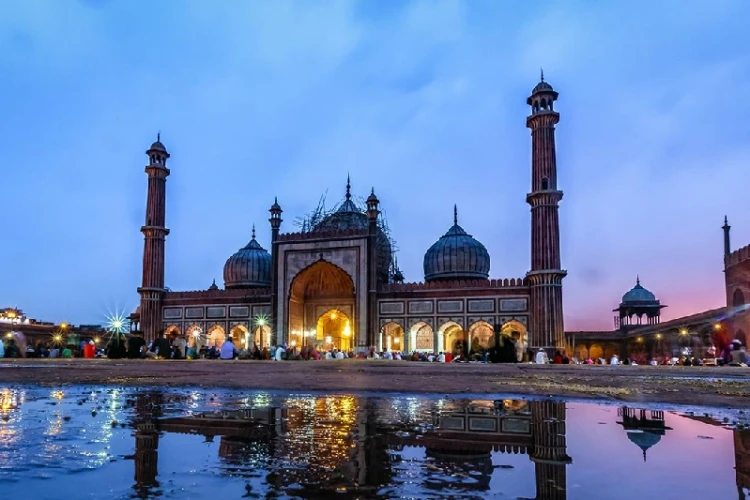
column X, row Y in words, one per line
column 424, row 101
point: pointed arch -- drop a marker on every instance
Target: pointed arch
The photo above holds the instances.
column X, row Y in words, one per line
column 738, row 298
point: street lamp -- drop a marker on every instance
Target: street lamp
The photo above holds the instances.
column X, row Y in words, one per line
column 260, row 321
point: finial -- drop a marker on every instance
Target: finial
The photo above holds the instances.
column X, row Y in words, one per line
column 253, row 231
column 637, row 279
column 541, row 70
column 213, row 282
column 348, row 188
column 373, row 191
column 455, row 214
column 158, row 136
column 726, row 222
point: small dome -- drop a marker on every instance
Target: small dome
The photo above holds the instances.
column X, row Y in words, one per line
column 347, row 216
column 542, row 87
column 250, row 267
column 158, row 146
column 213, row 286
column 638, row 294
column 456, row 255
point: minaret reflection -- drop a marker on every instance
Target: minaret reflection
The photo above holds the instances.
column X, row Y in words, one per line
column 742, row 462
column 549, row 452
column 146, row 455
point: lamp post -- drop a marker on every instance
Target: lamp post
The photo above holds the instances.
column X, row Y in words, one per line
column 260, row 322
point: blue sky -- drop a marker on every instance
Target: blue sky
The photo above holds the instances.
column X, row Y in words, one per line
column 424, row 100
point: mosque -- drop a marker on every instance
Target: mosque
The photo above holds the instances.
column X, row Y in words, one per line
column 336, row 284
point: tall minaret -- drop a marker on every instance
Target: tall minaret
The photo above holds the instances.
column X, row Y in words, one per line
column 275, row 221
column 726, row 227
column 154, row 232
column 545, row 278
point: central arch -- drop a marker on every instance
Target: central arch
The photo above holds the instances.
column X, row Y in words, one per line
column 322, row 304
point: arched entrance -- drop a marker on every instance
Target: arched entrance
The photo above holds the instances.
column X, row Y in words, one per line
column 453, row 337
column 322, row 304
column 481, row 335
column 423, row 336
column 333, row 330
column 193, row 334
column 518, row 332
column 392, row 337
column 240, row 336
column 215, row 336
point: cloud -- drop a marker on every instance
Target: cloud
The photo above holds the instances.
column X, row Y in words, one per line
column 423, row 100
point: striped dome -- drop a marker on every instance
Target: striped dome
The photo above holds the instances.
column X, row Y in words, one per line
column 456, row 255
column 250, row 267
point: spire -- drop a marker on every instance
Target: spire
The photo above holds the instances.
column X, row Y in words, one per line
column 541, row 70
column 348, row 188
column 276, row 200
column 158, row 136
column 726, row 221
column 455, row 214
column 638, row 280
column 253, row 231
column 727, row 244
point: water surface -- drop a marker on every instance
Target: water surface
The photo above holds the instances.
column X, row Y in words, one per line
column 96, row 443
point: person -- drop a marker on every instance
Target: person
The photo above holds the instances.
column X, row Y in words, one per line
column 541, row 357
column 615, row 360
column 135, row 346
column 228, row 351
column 279, row 355
column 179, row 344
column 557, row 359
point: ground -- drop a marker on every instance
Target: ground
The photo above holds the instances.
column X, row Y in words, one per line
column 708, row 386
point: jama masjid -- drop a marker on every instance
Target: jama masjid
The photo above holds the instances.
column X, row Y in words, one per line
column 336, row 283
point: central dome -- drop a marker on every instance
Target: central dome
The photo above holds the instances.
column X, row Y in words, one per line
column 456, row 255
column 250, row 267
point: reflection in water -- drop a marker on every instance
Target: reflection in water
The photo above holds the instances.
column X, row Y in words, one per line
column 173, row 444
column 341, row 445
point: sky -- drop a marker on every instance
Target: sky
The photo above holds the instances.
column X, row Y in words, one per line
column 423, row 100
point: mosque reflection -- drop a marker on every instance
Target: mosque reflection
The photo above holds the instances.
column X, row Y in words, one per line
column 316, row 447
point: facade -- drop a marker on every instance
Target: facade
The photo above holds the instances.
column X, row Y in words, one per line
column 639, row 331
column 24, row 331
column 336, row 282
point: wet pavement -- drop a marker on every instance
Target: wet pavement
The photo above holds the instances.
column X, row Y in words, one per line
column 99, row 442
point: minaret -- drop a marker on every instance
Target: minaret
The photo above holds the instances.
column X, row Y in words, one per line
column 726, row 227
column 154, row 233
column 372, row 270
column 545, row 278
column 275, row 221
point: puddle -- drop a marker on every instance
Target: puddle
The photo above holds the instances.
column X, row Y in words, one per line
column 103, row 442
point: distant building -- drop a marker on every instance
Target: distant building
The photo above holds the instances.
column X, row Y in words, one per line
column 336, row 282
column 13, row 322
column 639, row 330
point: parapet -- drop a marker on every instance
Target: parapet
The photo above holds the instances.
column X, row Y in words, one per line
column 737, row 257
column 221, row 294
column 321, row 235
column 454, row 284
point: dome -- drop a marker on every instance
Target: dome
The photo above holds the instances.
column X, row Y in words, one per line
column 542, row 87
column 643, row 440
column 456, row 255
column 250, row 267
column 348, row 216
column 638, row 294
column 158, row 145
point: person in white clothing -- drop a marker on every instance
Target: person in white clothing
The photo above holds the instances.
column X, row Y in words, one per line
column 541, row 357
column 339, row 355
column 615, row 360
column 329, row 355
column 279, row 353
column 441, row 358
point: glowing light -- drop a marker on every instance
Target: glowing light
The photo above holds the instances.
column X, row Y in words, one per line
column 717, row 326
column 117, row 321
column 57, row 338
column 11, row 314
column 396, row 340
column 683, row 331
column 639, row 339
column 63, row 325
column 96, row 340
column 294, row 343
column 334, row 315
column 261, row 320
column 329, row 339
column 347, row 329
column 658, row 335
column 9, row 335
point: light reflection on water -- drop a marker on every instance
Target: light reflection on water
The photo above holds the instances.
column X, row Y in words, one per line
column 94, row 442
